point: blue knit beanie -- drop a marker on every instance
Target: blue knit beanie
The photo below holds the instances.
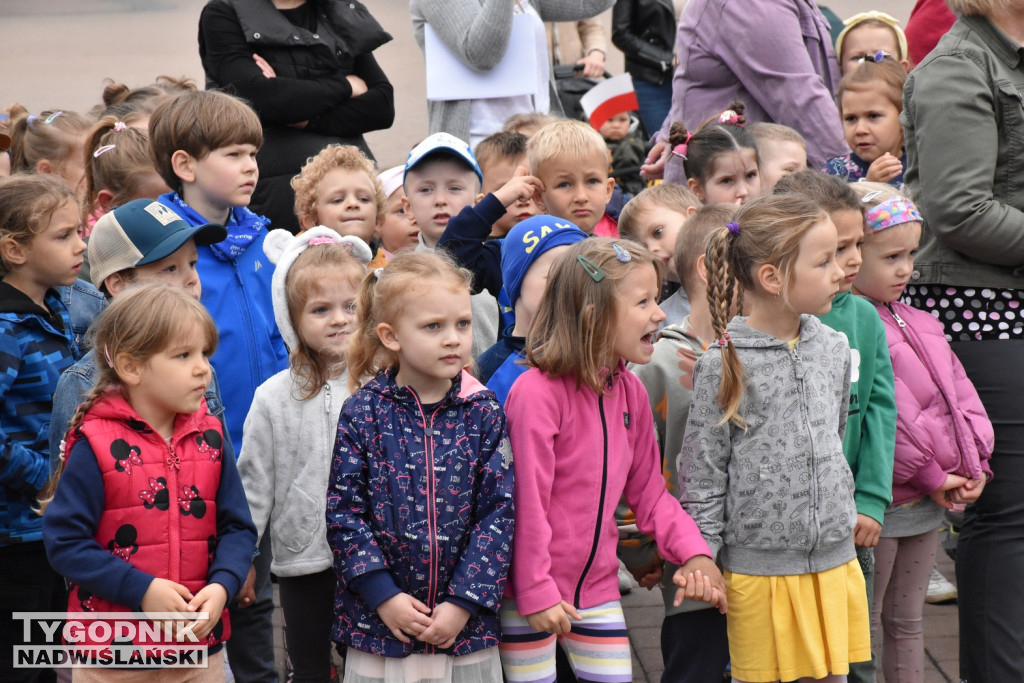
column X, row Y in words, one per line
column 526, row 242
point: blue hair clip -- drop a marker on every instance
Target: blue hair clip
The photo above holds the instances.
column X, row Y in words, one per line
column 877, row 57
column 621, row 255
column 51, row 117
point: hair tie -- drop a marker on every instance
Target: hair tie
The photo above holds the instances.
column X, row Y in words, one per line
column 680, row 150
column 324, row 239
column 725, row 340
column 52, row 117
column 890, row 213
column 103, row 150
column 31, row 118
column 120, row 125
column 376, row 273
column 106, row 355
column 621, row 255
column 730, row 117
column 591, row 268
column 733, row 228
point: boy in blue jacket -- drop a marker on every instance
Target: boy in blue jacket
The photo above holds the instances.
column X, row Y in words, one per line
column 204, row 146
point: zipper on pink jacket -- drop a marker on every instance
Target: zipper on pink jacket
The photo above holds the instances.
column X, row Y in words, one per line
column 600, row 502
column 913, row 343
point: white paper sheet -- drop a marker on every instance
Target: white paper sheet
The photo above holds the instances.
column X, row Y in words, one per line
column 450, row 79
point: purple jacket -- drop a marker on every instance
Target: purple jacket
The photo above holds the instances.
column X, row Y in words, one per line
column 775, row 56
column 419, row 502
column 941, row 425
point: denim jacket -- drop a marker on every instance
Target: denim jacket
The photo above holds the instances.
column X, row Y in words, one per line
column 79, row 379
column 84, row 303
column 963, row 117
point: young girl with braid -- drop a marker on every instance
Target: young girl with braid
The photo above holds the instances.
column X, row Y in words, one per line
column 762, row 470
column 146, row 511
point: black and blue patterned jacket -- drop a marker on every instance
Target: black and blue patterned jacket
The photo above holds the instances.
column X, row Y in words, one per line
column 35, row 347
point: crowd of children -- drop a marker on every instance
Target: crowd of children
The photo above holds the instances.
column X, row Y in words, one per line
column 471, row 388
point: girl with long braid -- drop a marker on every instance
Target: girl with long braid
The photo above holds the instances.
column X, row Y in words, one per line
column 146, row 512
column 762, row 470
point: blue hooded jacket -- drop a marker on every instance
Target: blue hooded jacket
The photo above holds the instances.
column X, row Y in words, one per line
column 35, row 348
column 236, row 278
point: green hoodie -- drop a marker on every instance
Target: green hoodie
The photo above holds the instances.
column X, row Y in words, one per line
column 870, row 438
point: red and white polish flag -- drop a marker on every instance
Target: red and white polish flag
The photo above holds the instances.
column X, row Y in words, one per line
column 608, row 98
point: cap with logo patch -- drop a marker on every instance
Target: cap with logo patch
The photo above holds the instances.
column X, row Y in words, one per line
column 140, row 232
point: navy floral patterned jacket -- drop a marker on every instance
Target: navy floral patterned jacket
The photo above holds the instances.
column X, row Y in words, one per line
column 419, row 501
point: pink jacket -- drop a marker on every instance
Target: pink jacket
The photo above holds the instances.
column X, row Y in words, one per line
column 941, row 425
column 576, row 452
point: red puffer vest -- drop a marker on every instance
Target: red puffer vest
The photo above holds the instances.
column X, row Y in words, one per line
column 160, row 512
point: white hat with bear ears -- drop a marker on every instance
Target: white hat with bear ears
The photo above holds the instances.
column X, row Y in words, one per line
column 282, row 248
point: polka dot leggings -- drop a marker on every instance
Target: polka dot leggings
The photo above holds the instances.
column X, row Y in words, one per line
column 902, row 569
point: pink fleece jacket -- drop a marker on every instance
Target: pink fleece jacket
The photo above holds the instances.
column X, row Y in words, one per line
column 941, row 424
column 576, row 453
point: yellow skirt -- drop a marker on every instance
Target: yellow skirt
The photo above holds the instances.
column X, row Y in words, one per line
column 790, row 627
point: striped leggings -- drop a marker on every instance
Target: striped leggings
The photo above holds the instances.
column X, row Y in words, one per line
column 597, row 646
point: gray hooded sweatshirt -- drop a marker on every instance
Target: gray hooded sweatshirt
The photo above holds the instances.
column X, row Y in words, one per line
column 777, row 498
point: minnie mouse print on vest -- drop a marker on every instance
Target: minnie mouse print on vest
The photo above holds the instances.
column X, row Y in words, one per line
column 160, row 497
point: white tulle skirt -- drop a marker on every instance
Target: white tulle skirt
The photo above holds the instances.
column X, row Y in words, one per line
column 483, row 666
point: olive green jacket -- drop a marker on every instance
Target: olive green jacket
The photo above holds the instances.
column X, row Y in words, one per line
column 963, row 118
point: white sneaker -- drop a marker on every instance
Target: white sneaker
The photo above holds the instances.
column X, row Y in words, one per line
column 939, row 589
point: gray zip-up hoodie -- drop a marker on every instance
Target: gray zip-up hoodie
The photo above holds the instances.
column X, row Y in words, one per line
column 777, row 498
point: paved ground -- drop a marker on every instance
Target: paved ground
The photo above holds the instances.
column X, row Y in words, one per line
column 941, row 635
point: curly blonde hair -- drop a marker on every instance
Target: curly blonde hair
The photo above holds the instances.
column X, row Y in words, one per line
column 345, row 157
